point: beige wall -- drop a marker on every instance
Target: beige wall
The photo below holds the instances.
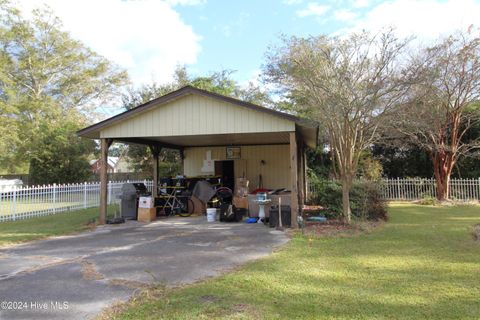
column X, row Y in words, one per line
column 197, row 115
column 275, row 172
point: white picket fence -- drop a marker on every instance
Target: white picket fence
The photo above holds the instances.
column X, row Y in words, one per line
column 417, row 188
column 27, row 202
column 35, row 201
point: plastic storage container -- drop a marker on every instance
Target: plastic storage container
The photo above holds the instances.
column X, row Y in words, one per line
column 211, row 214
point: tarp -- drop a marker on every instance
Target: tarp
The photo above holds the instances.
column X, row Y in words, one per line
column 203, row 190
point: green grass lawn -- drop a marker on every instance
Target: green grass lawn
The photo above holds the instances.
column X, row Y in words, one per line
column 52, row 225
column 40, row 202
column 422, row 264
column 6, row 207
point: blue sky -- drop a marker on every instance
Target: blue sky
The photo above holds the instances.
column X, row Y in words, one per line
column 236, row 34
column 149, row 38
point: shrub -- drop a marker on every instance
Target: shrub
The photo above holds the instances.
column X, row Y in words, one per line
column 328, row 194
column 366, row 202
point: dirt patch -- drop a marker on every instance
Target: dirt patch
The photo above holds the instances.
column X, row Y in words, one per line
column 131, row 284
column 476, row 232
column 338, row 228
column 142, row 293
column 90, row 272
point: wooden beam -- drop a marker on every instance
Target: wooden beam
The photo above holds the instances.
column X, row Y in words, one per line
column 104, row 145
column 305, row 179
column 155, row 153
column 301, row 178
column 294, row 178
column 150, row 143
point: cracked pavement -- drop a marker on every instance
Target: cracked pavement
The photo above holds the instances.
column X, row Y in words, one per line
column 77, row 276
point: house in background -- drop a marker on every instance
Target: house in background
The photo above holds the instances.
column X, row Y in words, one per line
column 114, row 165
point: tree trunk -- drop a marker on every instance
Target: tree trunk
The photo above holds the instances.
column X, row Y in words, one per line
column 346, row 186
column 442, row 167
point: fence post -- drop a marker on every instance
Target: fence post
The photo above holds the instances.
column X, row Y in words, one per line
column 109, row 192
column 54, row 197
column 85, row 195
column 398, row 189
column 14, row 203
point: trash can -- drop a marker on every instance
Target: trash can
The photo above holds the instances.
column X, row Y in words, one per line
column 286, row 216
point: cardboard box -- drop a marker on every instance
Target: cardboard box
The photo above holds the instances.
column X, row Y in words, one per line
column 199, row 206
column 240, row 202
column 241, row 187
column 145, row 202
column 147, row 214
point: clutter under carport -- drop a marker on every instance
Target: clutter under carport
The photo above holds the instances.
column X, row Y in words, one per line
column 206, row 195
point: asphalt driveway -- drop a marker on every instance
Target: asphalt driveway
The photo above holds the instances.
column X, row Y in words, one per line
column 75, row 277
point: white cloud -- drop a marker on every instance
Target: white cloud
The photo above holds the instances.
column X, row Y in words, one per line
column 146, row 37
column 361, row 3
column 227, row 31
column 236, row 26
column 427, row 19
column 345, row 15
column 254, row 79
column 185, row 2
column 292, row 2
column 313, row 9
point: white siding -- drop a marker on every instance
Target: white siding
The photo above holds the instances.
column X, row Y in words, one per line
column 197, row 115
column 275, row 172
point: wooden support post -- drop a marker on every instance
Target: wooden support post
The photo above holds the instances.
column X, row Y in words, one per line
column 294, row 178
column 301, row 179
column 155, row 153
column 104, row 145
column 305, row 177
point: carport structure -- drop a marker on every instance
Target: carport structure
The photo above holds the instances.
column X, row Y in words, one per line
column 201, row 125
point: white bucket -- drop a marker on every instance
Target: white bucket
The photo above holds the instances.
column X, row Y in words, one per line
column 211, row 214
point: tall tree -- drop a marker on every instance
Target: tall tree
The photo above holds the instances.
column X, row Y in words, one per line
column 441, row 110
column 46, row 77
column 63, row 156
column 45, row 61
column 347, row 84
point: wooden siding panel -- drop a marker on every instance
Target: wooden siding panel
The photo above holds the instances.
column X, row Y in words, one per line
column 197, row 115
column 275, row 172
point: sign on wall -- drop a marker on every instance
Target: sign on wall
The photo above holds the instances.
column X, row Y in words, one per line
column 233, row 153
column 208, row 163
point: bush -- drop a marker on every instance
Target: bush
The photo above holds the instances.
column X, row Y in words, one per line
column 328, row 194
column 366, row 202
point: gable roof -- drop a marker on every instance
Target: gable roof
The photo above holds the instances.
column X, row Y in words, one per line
column 303, row 124
column 112, row 161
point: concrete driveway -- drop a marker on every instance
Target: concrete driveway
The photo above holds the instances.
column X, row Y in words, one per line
column 75, row 277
